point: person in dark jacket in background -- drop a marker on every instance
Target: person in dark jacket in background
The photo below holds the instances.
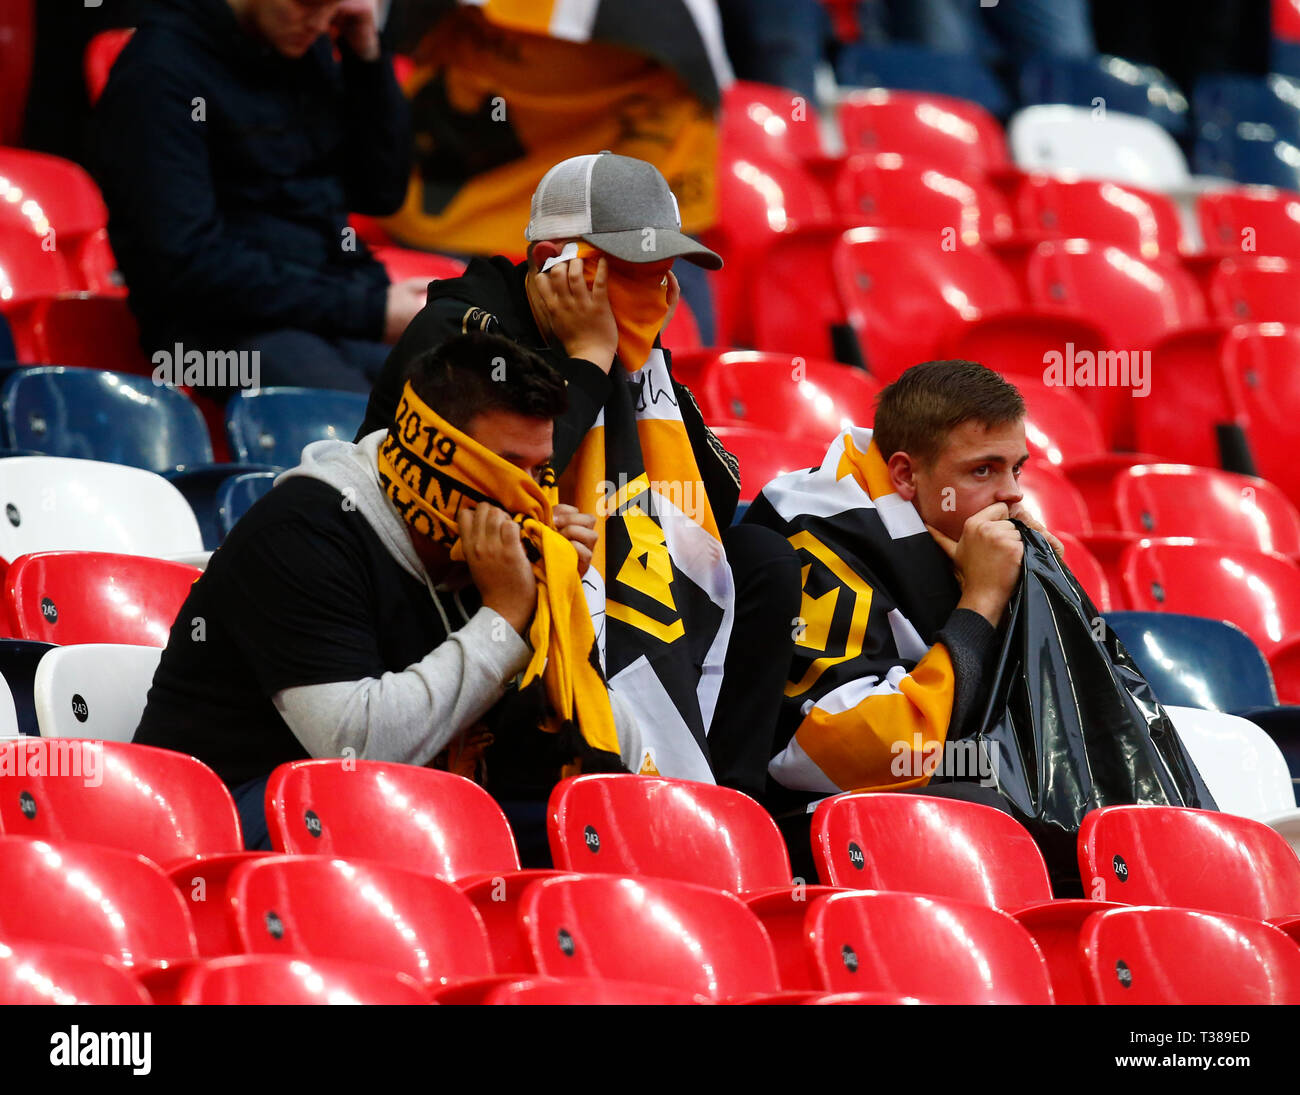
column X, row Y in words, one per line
column 231, row 145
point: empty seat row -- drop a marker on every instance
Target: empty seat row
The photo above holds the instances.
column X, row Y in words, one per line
column 609, row 926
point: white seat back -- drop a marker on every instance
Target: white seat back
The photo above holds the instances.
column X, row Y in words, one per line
column 8, row 712
column 96, row 690
column 1242, row 766
column 48, row 503
column 1119, row 147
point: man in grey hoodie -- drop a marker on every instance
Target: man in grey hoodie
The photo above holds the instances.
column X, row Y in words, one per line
column 325, row 627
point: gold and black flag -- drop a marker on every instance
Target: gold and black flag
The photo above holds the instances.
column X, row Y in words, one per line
column 659, row 588
column 504, row 89
column 869, row 688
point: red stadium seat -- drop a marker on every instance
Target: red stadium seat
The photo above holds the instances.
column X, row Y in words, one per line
column 402, row 263
column 42, row 973
column 497, row 896
column 28, row 276
column 17, row 51
column 760, row 205
column 101, row 54
column 371, row 230
column 94, row 332
column 682, row 332
column 1250, row 220
column 71, row 597
column 902, row 294
column 1077, row 421
column 649, row 930
column 99, row 899
column 1254, row 290
column 765, row 122
column 358, row 910
column 1261, row 361
column 1109, row 549
column 153, row 802
column 691, row 832
column 1258, row 591
column 66, row 202
column 763, row 456
column 403, row 67
column 1180, row 956
column 884, row 190
column 274, row 979
column 1206, row 504
column 204, row 883
column 1049, row 495
column 1017, row 345
column 906, row 295
column 1059, row 429
column 931, row 947
column 1285, row 664
column 796, row 396
column 1136, row 302
column 971, row 852
column 1194, row 859
column 551, row 990
column 1141, row 222
column 948, row 133
column 1084, row 565
column 1195, row 397
column 417, row 818
column 666, row 828
column 1094, row 478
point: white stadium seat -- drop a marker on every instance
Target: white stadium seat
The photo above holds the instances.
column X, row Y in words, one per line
column 1119, row 147
column 1242, row 766
column 48, row 503
column 96, row 690
column 8, row 712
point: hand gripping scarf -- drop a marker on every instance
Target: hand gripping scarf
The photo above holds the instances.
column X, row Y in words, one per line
column 428, row 468
column 638, row 295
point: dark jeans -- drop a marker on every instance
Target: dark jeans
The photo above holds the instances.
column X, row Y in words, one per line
column 250, row 804
column 765, row 570
column 528, row 823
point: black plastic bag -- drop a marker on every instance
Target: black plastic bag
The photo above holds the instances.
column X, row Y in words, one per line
column 1071, row 724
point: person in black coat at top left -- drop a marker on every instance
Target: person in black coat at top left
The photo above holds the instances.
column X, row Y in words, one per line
column 232, row 141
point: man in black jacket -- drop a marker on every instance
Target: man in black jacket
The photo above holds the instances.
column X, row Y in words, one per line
column 230, row 146
column 620, row 212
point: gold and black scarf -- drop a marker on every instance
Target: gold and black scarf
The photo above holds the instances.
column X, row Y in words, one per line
column 428, row 468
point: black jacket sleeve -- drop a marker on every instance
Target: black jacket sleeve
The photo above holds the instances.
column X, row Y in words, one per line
column 168, row 232
column 587, row 386
column 719, row 469
column 972, row 644
column 377, row 153
column 446, row 317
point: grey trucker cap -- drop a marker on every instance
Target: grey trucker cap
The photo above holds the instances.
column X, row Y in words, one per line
column 617, row 204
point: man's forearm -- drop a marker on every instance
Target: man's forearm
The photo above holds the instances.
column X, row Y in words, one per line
column 410, row 716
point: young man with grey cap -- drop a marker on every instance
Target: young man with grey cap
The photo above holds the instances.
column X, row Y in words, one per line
column 592, row 297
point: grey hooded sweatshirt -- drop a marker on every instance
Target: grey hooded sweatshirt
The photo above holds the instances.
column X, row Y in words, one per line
column 412, row 715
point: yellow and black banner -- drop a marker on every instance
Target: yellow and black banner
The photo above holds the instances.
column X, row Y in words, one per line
column 504, row 90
